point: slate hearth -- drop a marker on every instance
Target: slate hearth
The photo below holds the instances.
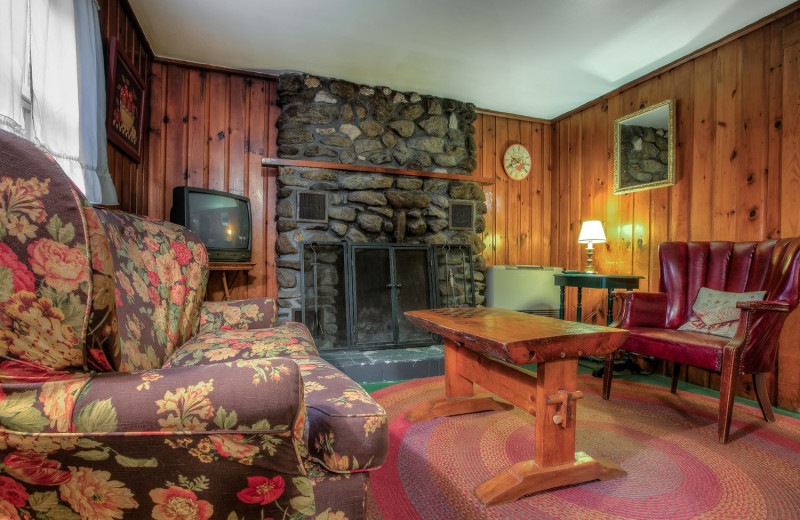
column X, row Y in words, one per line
column 375, row 366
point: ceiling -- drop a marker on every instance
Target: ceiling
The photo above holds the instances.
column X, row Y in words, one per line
column 537, row 58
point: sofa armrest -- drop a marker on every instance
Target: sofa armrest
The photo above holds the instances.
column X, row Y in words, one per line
column 262, row 395
column 642, row 309
column 254, row 313
column 201, row 435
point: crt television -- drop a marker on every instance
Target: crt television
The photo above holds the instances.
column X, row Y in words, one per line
column 221, row 220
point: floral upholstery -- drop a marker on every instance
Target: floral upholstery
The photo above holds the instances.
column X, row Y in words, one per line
column 256, row 313
column 124, row 395
column 288, row 339
column 45, row 282
column 102, row 350
column 161, row 270
column 347, row 429
column 199, row 424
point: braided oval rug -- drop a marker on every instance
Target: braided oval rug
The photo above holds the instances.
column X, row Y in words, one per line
column 666, row 442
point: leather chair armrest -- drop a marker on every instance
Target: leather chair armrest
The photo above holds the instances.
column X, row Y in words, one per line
column 778, row 306
column 755, row 342
column 642, row 309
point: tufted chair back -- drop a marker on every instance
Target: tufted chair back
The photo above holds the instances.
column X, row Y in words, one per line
column 770, row 265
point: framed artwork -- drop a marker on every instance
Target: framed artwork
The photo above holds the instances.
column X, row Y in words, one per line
column 644, row 149
column 125, row 95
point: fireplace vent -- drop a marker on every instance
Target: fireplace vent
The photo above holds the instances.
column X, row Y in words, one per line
column 462, row 216
column 312, row 206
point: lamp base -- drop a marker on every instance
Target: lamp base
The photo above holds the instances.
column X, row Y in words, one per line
column 589, row 269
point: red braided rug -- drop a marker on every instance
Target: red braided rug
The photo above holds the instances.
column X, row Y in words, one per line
column 666, row 443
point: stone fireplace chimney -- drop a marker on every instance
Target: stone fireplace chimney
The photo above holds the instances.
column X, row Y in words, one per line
column 332, row 121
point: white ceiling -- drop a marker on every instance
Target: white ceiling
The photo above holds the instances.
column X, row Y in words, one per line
column 538, row 58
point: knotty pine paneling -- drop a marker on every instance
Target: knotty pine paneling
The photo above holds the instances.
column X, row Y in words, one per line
column 737, row 169
column 210, row 128
column 519, row 212
column 130, row 177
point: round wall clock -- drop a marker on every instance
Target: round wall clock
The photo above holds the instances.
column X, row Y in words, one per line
column 517, row 162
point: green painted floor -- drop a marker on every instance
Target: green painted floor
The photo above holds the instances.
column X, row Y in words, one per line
column 586, row 367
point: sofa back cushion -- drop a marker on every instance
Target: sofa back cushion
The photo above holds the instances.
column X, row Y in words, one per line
column 160, row 274
column 102, row 347
column 686, row 267
column 45, row 282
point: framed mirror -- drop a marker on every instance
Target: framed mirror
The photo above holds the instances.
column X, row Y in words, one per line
column 644, row 148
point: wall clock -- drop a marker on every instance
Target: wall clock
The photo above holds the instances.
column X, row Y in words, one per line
column 517, row 162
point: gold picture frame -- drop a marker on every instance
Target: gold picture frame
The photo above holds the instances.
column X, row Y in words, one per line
column 644, row 148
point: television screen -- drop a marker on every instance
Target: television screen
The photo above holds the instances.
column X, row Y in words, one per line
column 221, row 220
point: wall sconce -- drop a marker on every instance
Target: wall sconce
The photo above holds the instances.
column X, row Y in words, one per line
column 591, row 233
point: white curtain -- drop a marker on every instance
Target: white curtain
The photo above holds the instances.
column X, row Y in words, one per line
column 67, row 87
column 92, row 90
column 13, row 63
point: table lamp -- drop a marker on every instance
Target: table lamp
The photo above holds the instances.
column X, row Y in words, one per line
column 591, row 233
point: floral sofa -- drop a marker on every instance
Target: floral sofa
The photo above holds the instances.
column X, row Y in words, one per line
column 124, row 395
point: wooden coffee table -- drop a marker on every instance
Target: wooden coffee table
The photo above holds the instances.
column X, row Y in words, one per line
column 483, row 346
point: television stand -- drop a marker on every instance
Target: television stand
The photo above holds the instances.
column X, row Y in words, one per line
column 229, row 267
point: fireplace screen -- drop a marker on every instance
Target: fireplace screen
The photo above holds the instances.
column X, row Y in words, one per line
column 355, row 294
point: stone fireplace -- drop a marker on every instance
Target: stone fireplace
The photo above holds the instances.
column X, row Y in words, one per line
column 397, row 241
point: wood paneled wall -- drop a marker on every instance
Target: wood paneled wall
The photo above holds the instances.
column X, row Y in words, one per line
column 210, row 129
column 130, row 177
column 518, row 218
column 738, row 170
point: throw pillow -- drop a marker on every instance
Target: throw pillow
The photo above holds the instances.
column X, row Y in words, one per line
column 715, row 312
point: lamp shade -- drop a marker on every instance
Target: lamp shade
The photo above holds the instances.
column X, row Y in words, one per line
column 592, row 232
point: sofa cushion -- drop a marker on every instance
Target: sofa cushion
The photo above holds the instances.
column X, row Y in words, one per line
column 253, row 313
column 692, row 348
column 160, row 272
column 45, row 278
column 347, row 430
column 715, row 312
column 286, row 340
column 102, row 348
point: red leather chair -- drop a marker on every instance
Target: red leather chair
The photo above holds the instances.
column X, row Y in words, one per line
column 653, row 318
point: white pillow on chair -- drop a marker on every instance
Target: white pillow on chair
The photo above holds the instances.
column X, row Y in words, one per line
column 715, row 312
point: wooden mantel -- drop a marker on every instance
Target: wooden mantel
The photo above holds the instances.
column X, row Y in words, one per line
column 272, row 161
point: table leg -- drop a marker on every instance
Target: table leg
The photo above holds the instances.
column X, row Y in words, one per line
column 555, row 461
column 455, row 384
column 225, row 290
column 459, row 398
column 610, row 312
column 555, row 442
column 580, row 309
column 561, row 307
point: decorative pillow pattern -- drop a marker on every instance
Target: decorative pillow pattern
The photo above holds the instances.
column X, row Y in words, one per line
column 715, row 312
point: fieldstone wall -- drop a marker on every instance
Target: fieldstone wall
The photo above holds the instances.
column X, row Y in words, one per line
column 374, row 208
column 338, row 121
column 644, row 156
